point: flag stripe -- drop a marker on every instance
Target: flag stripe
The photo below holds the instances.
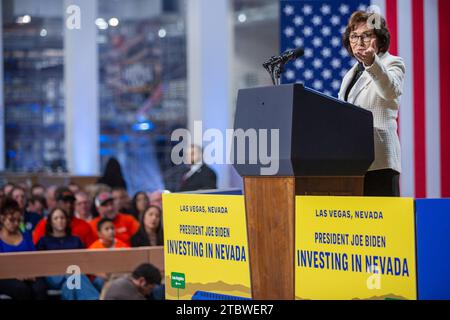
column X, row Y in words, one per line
column 419, row 97
column 391, row 20
column 433, row 160
column 444, row 55
column 406, row 108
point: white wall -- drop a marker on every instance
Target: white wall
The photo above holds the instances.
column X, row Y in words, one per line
column 254, row 44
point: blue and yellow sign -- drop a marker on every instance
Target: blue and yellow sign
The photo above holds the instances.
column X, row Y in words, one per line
column 205, row 246
column 355, row 248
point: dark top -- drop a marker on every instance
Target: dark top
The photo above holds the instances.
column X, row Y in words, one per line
column 25, row 245
column 203, row 178
column 123, row 289
column 140, row 239
column 64, row 243
column 31, row 219
column 174, row 175
column 359, row 71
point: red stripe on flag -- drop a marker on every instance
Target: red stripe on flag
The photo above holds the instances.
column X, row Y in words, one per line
column 391, row 20
column 419, row 97
column 444, row 55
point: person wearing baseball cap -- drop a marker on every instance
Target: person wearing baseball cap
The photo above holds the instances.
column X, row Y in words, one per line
column 65, row 200
column 125, row 225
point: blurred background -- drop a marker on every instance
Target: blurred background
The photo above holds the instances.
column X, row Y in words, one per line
column 118, row 86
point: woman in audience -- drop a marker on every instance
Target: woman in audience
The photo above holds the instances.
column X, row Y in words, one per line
column 58, row 236
column 13, row 240
column 150, row 231
column 139, row 203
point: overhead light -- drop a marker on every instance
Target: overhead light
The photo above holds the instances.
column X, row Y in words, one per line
column 101, row 24
column 242, row 17
column 43, row 33
column 162, row 33
column 113, row 22
column 24, row 19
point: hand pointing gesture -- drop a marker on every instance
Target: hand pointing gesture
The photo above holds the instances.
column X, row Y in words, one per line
column 367, row 56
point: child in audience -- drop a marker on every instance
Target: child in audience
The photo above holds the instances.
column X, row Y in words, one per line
column 107, row 236
column 107, row 240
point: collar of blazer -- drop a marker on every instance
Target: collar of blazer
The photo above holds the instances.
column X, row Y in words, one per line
column 363, row 82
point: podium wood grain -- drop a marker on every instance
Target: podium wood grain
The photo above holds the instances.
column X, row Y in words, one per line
column 270, row 208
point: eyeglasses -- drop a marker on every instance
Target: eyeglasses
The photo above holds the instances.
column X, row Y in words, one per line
column 366, row 37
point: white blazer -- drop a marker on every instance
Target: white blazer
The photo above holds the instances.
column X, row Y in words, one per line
column 379, row 90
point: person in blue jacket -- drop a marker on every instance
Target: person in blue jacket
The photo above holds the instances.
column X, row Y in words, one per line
column 13, row 240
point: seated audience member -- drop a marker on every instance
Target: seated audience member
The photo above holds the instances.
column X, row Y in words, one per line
column 37, row 190
column 156, row 199
column 74, row 187
column 58, row 235
column 122, row 200
column 126, row 226
column 37, row 204
column 50, row 197
column 139, row 203
column 138, row 286
column 8, row 187
column 29, row 219
column 107, row 236
column 150, row 231
column 107, row 240
column 200, row 176
column 83, row 206
column 13, row 240
column 80, row 228
column 93, row 190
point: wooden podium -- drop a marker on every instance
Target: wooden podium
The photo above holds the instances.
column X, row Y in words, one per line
column 325, row 148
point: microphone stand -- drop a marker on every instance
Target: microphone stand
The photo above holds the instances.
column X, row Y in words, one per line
column 279, row 70
column 275, row 68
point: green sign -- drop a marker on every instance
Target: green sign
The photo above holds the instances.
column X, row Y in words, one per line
column 178, row 280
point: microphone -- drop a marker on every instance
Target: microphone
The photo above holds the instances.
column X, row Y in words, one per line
column 285, row 57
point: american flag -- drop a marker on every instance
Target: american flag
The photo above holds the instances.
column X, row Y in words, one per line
column 420, row 34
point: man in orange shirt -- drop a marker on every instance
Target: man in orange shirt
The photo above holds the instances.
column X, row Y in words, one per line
column 107, row 236
column 125, row 225
column 65, row 199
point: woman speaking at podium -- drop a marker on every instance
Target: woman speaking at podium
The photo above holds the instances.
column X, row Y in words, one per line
column 375, row 83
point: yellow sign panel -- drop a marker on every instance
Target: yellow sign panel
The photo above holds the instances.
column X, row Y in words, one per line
column 205, row 246
column 355, row 248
